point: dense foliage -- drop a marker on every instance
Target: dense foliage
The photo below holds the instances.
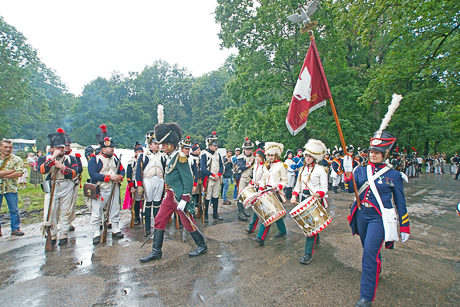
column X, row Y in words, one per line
column 369, row 50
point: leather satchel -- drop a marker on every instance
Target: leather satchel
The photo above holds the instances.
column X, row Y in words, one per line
column 91, row 190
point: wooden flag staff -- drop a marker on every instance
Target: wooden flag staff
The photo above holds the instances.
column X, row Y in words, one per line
column 342, row 140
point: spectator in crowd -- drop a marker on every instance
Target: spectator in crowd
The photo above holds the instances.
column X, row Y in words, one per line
column 11, row 168
column 227, row 176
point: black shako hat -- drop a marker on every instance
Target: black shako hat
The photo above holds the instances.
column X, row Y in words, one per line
column 185, row 143
column 138, row 146
column 104, row 139
column 150, row 137
column 382, row 141
column 248, row 144
column 212, row 139
column 168, row 133
column 58, row 138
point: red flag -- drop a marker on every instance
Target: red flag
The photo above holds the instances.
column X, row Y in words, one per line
column 310, row 93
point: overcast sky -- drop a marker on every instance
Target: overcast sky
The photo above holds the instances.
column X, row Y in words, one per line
column 82, row 40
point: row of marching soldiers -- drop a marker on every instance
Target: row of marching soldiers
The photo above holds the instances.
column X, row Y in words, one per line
column 169, row 182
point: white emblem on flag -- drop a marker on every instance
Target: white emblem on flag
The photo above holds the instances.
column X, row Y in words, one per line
column 302, row 90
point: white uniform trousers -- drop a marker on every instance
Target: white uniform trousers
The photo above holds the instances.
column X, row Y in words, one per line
column 153, row 188
column 98, row 207
column 74, row 201
column 291, row 179
column 336, row 179
column 212, row 188
column 62, row 205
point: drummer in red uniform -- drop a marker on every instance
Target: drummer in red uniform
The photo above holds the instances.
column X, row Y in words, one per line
column 275, row 179
column 312, row 181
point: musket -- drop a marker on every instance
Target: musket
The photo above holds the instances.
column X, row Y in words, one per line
column 143, row 194
column 199, row 213
column 107, row 215
column 48, row 245
column 177, row 220
column 131, row 225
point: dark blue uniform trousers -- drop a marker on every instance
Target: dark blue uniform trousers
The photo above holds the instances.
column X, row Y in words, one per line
column 371, row 233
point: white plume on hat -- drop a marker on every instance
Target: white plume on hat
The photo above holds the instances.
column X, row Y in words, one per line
column 272, row 148
column 316, row 149
column 391, row 110
column 160, row 114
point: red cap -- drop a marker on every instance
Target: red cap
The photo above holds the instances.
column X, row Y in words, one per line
column 103, row 128
column 60, row 130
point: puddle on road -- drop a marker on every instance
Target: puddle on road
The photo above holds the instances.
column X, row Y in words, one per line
column 27, row 263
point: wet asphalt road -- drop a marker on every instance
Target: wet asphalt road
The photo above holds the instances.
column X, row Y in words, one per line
column 425, row 271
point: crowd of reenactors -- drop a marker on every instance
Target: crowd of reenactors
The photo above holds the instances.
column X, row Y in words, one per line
column 174, row 179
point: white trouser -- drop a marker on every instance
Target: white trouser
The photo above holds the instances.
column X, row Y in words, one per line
column 74, row 200
column 336, row 179
column 291, row 180
column 62, row 201
column 153, row 188
column 212, row 188
column 98, row 207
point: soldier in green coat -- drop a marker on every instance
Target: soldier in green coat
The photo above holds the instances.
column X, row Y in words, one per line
column 178, row 185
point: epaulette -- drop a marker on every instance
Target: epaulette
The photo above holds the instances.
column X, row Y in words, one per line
column 182, row 158
column 285, row 165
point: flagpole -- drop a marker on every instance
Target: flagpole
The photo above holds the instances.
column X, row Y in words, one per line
column 342, row 140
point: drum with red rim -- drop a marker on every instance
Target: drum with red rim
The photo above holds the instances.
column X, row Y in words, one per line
column 268, row 208
column 248, row 196
column 311, row 216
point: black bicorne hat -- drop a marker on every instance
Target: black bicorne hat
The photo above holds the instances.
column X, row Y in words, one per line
column 104, row 139
column 168, row 133
column 58, row 138
column 287, row 153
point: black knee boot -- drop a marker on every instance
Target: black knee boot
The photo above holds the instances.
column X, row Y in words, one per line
column 241, row 215
column 206, row 207
column 197, row 200
column 288, row 193
column 199, row 240
column 158, row 236
column 215, row 204
column 342, row 187
column 137, row 206
column 147, row 216
column 156, row 208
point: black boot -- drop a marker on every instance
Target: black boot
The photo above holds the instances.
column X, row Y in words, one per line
column 206, row 207
column 342, row 187
column 137, row 205
column 241, row 215
column 306, row 259
column 158, row 236
column 215, row 214
column 199, row 240
column 156, row 208
column 288, row 193
column 334, row 189
column 147, row 216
